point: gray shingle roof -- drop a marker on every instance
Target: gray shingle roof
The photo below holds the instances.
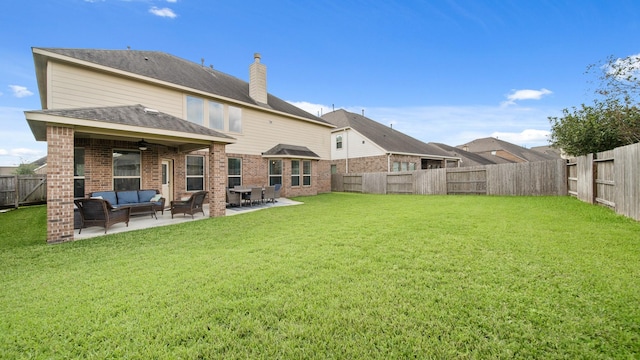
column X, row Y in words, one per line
column 291, row 151
column 468, row 158
column 135, row 115
column 384, row 136
column 172, row 69
column 486, row 145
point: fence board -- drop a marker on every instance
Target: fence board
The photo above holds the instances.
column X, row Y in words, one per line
column 431, row 182
column 585, row 178
column 16, row 190
column 627, row 180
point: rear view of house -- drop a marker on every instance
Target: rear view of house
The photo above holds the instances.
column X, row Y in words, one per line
column 128, row 119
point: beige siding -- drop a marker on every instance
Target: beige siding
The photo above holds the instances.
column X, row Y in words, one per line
column 72, row 87
column 354, row 145
column 261, row 131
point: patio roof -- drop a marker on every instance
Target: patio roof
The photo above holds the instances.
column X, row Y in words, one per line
column 288, row 151
column 127, row 123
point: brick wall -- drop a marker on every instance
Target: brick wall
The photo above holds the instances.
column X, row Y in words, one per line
column 59, row 184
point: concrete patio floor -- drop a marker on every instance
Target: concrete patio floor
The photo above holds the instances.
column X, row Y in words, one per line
column 147, row 221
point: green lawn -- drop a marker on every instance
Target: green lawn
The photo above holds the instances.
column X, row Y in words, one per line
column 343, row 276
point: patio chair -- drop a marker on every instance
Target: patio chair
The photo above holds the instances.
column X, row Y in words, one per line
column 99, row 212
column 234, row 198
column 270, row 194
column 277, row 195
column 256, row 195
column 190, row 206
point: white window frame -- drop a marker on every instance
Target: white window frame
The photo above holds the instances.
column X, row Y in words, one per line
column 194, row 176
column 113, row 167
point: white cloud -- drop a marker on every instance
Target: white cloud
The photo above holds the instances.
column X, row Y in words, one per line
column 172, row 1
column 526, row 94
column 20, row 91
column 456, row 125
column 164, row 12
column 525, row 137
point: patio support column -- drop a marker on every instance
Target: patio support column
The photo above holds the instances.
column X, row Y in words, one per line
column 217, row 179
column 59, row 184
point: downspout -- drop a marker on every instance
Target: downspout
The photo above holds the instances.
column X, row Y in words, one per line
column 346, row 161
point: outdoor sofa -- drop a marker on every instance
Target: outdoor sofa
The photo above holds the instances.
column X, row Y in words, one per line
column 138, row 200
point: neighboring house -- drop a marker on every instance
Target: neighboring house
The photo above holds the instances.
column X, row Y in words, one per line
column 469, row 158
column 8, row 170
column 492, row 148
column 40, row 166
column 360, row 145
column 127, row 119
column 551, row 151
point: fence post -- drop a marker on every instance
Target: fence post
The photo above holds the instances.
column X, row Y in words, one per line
column 16, row 193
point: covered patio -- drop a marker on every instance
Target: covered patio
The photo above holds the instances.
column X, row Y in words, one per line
column 160, row 144
column 141, row 222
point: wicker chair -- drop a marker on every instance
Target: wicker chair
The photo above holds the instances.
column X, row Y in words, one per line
column 270, row 194
column 256, row 195
column 99, row 212
column 234, row 198
column 277, row 195
column 190, row 206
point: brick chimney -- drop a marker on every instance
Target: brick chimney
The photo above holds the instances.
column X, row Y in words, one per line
column 258, row 80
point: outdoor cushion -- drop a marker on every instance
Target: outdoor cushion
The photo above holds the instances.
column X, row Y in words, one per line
column 155, row 197
column 128, row 197
column 110, row 196
column 146, row 195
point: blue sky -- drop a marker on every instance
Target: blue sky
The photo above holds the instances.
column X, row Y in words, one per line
column 440, row 71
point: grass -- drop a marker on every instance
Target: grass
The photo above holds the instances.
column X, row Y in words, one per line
column 343, row 276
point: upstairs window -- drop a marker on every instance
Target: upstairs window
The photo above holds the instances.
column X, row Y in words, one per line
column 235, row 119
column 195, row 110
column 216, row 116
column 339, row 142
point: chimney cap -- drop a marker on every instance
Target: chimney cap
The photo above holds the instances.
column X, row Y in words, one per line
column 256, row 57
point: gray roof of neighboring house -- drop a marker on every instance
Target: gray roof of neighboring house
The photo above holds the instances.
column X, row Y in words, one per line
column 290, row 151
column 135, row 115
column 172, row 69
column 468, row 158
column 384, row 136
column 489, row 144
column 548, row 150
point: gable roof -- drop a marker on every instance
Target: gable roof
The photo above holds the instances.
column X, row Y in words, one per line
column 284, row 150
column 170, row 69
column 384, row 136
column 126, row 122
column 489, row 144
column 467, row 158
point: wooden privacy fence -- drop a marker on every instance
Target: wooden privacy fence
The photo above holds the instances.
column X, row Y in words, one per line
column 610, row 178
column 535, row 178
column 16, row 190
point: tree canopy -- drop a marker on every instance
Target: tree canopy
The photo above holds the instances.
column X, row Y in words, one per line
column 612, row 120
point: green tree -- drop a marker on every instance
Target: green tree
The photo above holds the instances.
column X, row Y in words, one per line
column 26, row 169
column 614, row 117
